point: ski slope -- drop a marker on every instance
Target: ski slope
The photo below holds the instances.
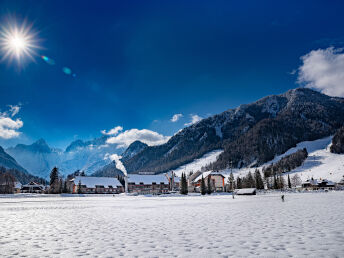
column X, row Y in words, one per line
column 197, row 164
column 321, row 163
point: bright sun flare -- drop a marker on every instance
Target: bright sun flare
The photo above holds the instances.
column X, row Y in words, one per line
column 17, row 42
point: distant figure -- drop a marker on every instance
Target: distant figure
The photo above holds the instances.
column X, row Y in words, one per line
column 282, row 197
column 233, row 195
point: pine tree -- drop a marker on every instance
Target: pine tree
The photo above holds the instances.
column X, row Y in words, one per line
column 54, row 180
column 289, row 183
column 203, row 190
column 258, row 179
column 209, row 185
column 231, row 182
column 239, row 183
column 183, row 185
column 250, row 181
column 79, row 187
column 65, row 190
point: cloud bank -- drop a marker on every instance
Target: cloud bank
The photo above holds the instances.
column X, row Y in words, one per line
column 124, row 139
column 323, row 70
column 176, row 117
column 9, row 126
column 194, row 120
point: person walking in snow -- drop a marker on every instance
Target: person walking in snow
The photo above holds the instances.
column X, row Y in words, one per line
column 282, row 197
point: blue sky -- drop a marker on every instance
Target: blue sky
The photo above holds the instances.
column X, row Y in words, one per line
column 137, row 63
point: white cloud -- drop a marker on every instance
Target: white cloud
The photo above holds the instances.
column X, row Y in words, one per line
column 116, row 158
column 176, row 117
column 113, row 131
column 194, row 119
column 127, row 137
column 323, row 69
column 8, row 126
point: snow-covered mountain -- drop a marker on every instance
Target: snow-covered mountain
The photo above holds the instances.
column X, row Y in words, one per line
column 251, row 134
column 10, row 165
column 89, row 156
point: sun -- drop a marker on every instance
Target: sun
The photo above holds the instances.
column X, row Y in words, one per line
column 18, row 42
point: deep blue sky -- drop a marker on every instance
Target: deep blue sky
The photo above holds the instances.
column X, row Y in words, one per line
column 139, row 62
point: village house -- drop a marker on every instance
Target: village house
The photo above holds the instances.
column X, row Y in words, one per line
column 100, row 185
column 315, row 184
column 217, row 181
column 150, row 183
column 32, row 187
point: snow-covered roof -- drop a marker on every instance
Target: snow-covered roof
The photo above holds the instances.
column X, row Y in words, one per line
column 147, row 179
column 91, row 182
column 205, row 174
column 317, row 182
column 33, row 184
column 245, row 191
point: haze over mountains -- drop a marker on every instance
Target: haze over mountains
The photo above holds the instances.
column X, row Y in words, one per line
column 249, row 135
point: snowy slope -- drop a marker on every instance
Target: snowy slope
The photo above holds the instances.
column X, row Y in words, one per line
column 197, row 164
column 321, row 163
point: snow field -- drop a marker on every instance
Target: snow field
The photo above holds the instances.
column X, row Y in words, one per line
column 305, row 225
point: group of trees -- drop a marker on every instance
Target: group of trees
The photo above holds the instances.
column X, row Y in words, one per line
column 248, row 181
column 57, row 183
column 7, row 182
column 255, row 180
column 287, row 163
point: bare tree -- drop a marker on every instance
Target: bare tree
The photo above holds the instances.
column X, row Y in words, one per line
column 296, row 180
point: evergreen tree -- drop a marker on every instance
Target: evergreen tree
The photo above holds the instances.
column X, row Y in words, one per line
column 203, row 190
column 183, row 185
column 209, row 185
column 289, row 183
column 231, row 182
column 250, row 183
column 54, row 180
column 239, row 183
column 65, row 190
column 79, row 187
column 259, row 180
column 82, row 173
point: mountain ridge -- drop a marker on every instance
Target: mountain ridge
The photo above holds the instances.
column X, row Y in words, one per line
column 268, row 116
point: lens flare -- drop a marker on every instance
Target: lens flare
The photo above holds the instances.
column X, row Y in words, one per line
column 18, row 42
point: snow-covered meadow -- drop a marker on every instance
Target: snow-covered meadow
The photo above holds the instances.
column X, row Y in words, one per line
column 305, row 225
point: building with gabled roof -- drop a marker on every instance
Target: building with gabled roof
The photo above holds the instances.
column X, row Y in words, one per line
column 90, row 184
column 318, row 184
column 33, row 187
column 150, row 183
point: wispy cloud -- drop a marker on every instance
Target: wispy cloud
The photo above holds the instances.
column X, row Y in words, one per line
column 127, row 137
column 9, row 126
column 113, row 131
column 176, row 117
column 194, row 119
column 323, row 69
